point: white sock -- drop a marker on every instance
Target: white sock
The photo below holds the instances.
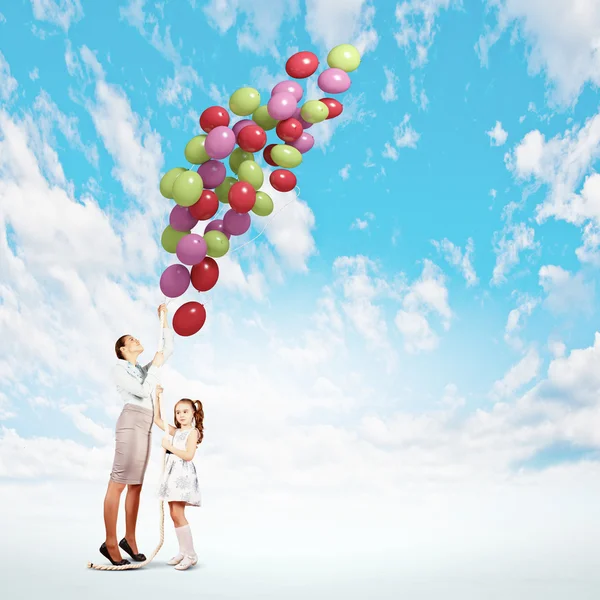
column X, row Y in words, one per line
column 186, row 543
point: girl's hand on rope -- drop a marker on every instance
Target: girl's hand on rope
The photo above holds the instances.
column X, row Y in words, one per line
column 162, row 313
column 159, row 359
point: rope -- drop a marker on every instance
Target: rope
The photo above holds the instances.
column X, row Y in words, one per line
column 139, row 565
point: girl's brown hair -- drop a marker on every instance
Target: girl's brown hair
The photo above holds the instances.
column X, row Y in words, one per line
column 119, row 344
column 198, row 416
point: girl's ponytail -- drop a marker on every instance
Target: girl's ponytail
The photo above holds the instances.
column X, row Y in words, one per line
column 199, row 419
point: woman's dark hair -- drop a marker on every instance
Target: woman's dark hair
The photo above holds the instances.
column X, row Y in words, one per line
column 198, row 416
column 119, row 344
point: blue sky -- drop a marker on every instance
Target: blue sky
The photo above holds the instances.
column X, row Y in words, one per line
column 422, row 313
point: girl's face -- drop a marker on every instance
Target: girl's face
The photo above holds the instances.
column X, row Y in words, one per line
column 184, row 414
column 132, row 345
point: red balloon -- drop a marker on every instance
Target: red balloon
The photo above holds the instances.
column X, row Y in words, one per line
column 335, row 107
column 301, row 65
column 206, row 207
column 205, row 274
column 283, row 180
column 242, row 196
column 212, row 117
column 252, row 138
column 267, row 155
column 189, row 318
column 289, row 130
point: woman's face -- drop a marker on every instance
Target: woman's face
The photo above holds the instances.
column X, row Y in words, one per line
column 132, row 345
column 184, row 414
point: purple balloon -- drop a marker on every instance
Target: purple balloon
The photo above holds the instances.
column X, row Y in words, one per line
column 240, row 125
column 213, row 173
column 334, row 81
column 219, row 142
column 191, row 249
column 293, row 87
column 217, row 225
column 236, row 223
column 304, row 143
column 281, row 106
column 174, row 281
column 181, row 219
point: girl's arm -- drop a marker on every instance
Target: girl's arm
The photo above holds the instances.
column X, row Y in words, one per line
column 158, row 420
column 190, row 447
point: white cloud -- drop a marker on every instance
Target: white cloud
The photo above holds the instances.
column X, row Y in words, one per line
column 389, row 93
column 34, row 74
column 425, row 296
column 497, row 135
column 557, row 348
column 62, row 13
column 342, row 22
column 416, row 21
column 404, row 134
column 345, row 172
column 419, row 98
column 518, row 375
column 514, row 239
column 457, row 258
column 566, row 293
column 362, row 224
column 390, row 152
column 515, row 320
column 561, row 41
column 177, row 90
column 2, row 18
column 8, row 84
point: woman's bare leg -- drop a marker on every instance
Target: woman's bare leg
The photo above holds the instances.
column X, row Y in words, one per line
column 132, row 506
column 111, row 513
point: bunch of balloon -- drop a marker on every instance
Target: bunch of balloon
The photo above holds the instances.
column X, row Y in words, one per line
column 198, row 193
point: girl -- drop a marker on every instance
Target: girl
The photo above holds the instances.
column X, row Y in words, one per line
column 134, row 383
column 179, row 485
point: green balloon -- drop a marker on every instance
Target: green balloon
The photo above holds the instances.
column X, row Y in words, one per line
column 251, row 172
column 168, row 179
column 345, row 57
column 263, row 206
column 237, row 157
column 262, row 118
column 217, row 243
column 222, row 190
column 170, row 238
column 195, row 152
column 314, row 111
column 244, row 102
column 286, row 156
column 187, row 188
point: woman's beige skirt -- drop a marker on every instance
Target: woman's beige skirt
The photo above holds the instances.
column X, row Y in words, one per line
column 132, row 450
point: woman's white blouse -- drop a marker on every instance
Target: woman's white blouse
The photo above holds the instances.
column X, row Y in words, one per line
column 136, row 384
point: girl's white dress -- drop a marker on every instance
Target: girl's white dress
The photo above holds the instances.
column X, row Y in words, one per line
column 180, row 482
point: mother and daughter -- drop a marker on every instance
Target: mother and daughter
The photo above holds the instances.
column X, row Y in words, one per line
column 179, row 486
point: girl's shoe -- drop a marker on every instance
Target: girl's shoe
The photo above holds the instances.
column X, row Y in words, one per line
column 176, row 559
column 104, row 551
column 187, row 562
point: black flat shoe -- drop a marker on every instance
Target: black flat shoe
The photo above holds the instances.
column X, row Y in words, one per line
column 124, row 544
column 119, row 563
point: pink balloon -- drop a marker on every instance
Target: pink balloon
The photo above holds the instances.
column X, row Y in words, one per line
column 236, row 223
column 281, row 106
column 334, row 81
column 191, row 249
column 219, row 142
column 217, row 225
column 304, row 143
column 180, row 219
column 293, row 87
column 240, row 125
column 174, row 281
column 213, row 174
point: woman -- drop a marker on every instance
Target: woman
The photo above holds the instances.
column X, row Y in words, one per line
column 135, row 384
